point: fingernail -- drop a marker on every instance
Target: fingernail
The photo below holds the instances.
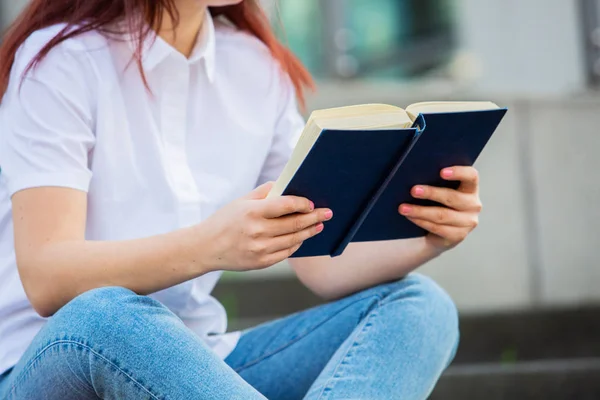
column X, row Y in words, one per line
column 419, row 191
column 328, row 215
column 320, row 228
column 447, row 173
column 312, row 205
column 405, row 210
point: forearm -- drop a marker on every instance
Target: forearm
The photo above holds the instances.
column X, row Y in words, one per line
column 363, row 265
column 66, row 269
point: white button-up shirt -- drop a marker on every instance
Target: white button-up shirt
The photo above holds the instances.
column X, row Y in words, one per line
column 211, row 128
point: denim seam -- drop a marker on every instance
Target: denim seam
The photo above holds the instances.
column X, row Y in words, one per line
column 358, row 336
column 301, row 336
column 84, row 346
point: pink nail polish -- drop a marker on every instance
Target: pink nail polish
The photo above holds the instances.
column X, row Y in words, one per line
column 320, row 228
column 312, row 205
column 447, row 173
column 405, row 210
column 419, row 191
column 328, row 215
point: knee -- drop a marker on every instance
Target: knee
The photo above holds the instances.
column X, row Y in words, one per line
column 94, row 311
column 437, row 314
column 434, row 298
column 100, row 300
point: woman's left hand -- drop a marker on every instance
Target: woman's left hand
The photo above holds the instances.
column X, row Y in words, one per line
column 448, row 226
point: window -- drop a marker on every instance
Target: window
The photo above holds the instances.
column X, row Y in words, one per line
column 368, row 38
column 590, row 11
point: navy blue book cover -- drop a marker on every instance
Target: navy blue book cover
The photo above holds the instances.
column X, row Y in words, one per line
column 447, row 140
column 342, row 171
column 363, row 176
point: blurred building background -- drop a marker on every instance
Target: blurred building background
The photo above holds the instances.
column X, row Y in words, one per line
column 527, row 282
column 536, row 246
column 540, row 58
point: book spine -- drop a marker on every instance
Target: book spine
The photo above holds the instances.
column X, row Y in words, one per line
column 419, row 127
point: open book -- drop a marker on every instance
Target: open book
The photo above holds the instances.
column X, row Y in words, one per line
column 361, row 161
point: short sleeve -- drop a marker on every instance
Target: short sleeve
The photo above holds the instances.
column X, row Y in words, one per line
column 46, row 122
column 287, row 130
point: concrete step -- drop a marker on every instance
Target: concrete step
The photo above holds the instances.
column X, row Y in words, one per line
column 564, row 379
column 535, row 354
column 504, row 337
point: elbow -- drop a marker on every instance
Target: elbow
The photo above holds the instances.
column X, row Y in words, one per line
column 42, row 304
column 40, row 300
column 37, row 287
column 317, row 287
column 324, row 294
column 42, row 309
column 313, row 278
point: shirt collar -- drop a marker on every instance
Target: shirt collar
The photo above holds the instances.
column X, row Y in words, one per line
column 205, row 48
column 156, row 50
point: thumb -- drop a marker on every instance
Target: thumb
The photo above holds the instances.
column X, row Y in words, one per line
column 260, row 192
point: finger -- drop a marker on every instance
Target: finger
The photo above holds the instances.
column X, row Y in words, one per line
column 449, row 197
column 450, row 234
column 260, row 192
column 285, row 205
column 439, row 215
column 282, row 255
column 291, row 240
column 298, row 222
column 468, row 177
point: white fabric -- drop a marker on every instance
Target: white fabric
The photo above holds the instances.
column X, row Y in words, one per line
column 212, row 127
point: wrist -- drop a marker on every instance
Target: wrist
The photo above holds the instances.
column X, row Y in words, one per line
column 199, row 249
column 434, row 246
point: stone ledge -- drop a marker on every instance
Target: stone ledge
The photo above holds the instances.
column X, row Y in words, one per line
column 506, row 337
column 574, row 379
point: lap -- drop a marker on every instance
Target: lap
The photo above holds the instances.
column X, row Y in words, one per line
column 113, row 344
column 283, row 358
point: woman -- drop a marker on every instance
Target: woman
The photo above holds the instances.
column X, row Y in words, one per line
column 132, row 133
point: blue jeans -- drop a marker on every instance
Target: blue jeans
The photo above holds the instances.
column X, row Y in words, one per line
column 392, row 341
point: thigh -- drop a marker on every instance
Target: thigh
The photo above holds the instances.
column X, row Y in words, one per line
column 62, row 362
column 58, row 371
column 113, row 344
column 3, row 380
column 281, row 359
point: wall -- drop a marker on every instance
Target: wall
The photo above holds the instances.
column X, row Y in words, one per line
column 531, row 47
column 538, row 239
column 538, row 242
column 9, row 9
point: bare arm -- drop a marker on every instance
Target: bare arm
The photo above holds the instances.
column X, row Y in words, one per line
column 368, row 264
column 45, row 148
column 362, row 265
column 56, row 263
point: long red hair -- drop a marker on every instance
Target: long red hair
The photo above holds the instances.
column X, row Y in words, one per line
column 87, row 15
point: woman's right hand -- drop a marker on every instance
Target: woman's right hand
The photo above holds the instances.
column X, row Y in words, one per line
column 255, row 232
